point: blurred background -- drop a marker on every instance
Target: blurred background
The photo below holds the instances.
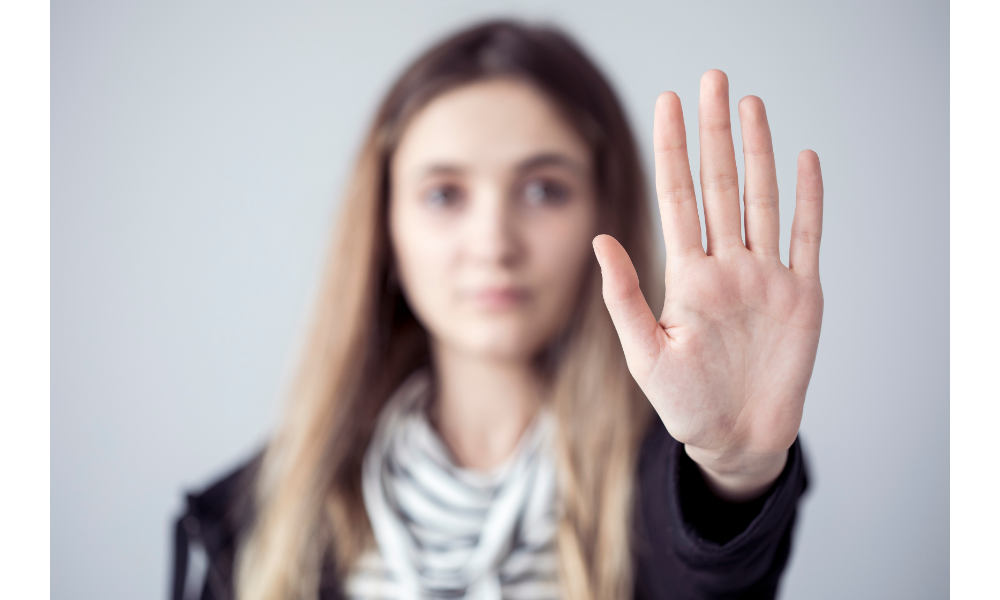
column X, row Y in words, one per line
column 198, row 151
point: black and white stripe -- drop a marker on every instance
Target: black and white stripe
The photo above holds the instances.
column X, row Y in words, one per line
column 448, row 532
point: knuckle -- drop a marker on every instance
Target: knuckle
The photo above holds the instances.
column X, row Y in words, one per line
column 760, row 201
column 675, row 194
column 762, row 151
column 727, row 242
column 722, row 182
column 806, row 237
column 666, row 148
column 716, row 126
column 809, row 197
column 765, row 250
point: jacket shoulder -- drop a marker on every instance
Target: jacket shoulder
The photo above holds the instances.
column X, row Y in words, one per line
column 228, row 497
column 208, row 530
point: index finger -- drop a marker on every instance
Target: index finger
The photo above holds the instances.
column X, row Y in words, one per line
column 674, row 186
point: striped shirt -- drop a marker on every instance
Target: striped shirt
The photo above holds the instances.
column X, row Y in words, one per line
column 447, row 532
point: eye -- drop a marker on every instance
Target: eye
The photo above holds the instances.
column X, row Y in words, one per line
column 443, row 196
column 542, row 192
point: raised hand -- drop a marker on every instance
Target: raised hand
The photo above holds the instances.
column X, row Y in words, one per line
column 727, row 364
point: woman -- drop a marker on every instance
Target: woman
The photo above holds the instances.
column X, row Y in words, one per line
column 471, row 418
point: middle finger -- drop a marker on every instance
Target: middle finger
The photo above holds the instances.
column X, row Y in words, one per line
column 720, row 186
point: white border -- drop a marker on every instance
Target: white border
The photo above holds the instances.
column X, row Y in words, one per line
column 24, row 298
column 975, row 305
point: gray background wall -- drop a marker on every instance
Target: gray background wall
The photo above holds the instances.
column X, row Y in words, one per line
column 198, row 150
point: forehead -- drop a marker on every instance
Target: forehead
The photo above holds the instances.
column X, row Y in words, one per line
column 491, row 124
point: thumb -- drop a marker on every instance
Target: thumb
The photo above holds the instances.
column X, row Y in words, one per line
column 637, row 329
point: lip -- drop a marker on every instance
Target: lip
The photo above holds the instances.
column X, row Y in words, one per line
column 499, row 298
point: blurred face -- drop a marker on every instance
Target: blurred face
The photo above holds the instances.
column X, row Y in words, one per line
column 491, row 218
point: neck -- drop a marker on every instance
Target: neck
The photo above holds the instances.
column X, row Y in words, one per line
column 483, row 405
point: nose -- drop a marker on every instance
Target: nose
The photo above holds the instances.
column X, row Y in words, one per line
column 493, row 234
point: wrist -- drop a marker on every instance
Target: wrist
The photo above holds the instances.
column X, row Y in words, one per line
column 738, row 478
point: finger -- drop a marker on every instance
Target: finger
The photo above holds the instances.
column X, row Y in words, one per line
column 637, row 328
column 807, row 225
column 674, row 186
column 720, row 186
column 760, row 189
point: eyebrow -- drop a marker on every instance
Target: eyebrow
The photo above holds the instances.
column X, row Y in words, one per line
column 442, row 169
column 550, row 159
column 539, row 160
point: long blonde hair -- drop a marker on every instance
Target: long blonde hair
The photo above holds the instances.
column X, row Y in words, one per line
column 363, row 341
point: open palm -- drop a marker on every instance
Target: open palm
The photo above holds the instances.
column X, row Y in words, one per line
column 727, row 364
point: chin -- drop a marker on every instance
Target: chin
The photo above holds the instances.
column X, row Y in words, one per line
column 504, row 343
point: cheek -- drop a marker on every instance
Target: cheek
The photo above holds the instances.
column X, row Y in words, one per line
column 562, row 251
column 423, row 255
column 563, row 242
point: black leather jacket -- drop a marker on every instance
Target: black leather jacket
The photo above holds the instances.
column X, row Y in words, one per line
column 688, row 544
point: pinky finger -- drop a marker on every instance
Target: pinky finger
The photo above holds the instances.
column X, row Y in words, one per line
column 807, row 226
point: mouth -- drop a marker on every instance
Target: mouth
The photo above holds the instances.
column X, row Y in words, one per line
column 499, row 298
